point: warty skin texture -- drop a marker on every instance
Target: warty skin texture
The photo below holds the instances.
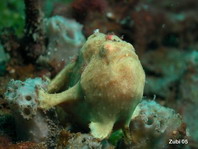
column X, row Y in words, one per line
column 104, row 85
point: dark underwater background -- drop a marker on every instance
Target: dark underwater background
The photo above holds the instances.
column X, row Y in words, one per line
column 164, row 34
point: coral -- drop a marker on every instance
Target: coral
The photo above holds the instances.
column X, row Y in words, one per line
column 32, row 124
column 152, row 126
column 104, row 97
column 161, row 117
column 34, row 39
column 65, row 38
column 23, row 95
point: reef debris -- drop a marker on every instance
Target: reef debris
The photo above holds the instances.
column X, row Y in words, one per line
column 65, row 39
